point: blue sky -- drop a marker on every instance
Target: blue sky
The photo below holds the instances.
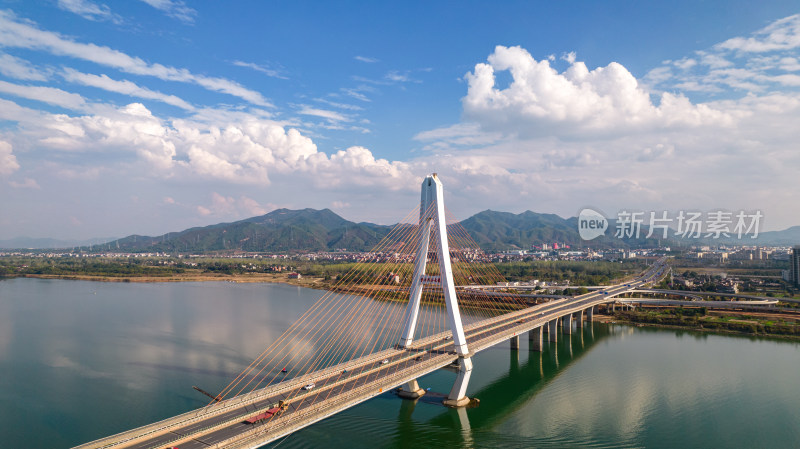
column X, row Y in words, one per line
column 156, row 115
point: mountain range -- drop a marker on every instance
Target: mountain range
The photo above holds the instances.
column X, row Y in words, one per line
column 287, row 231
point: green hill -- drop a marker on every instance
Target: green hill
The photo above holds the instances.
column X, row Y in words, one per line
column 282, row 230
column 293, row 231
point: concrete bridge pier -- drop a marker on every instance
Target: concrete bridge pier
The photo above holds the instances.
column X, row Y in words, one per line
column 514, row 342
column 567, row 320
column 411, row 390
column 458, row 394
column 590, row 314
column 579, row 318
column 552, row 334
column 535, row 342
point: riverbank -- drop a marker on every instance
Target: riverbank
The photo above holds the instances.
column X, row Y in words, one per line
column 785, row 326
column 309, row 282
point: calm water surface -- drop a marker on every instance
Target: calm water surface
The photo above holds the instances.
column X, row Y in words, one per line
column 82, row 360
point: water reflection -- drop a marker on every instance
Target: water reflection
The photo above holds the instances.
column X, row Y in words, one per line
column 78, row 365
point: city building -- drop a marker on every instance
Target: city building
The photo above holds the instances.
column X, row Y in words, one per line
column 794, row 269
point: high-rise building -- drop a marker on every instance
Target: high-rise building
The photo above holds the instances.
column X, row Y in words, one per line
column 794, row 269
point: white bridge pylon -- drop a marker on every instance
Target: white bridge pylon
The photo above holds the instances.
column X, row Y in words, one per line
column 432, row 222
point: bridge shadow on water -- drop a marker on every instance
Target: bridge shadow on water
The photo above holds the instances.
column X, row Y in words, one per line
column 505, row 395
column 504, row 380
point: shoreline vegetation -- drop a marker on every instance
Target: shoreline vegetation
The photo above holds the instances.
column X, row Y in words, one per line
column 755, row 324
column 315, row 274
column 325, row 276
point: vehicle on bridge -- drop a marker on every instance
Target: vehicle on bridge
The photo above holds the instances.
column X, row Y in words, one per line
column 268, row 414
column 309, row 386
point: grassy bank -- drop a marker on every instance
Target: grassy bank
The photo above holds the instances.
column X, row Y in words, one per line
column 699, row 319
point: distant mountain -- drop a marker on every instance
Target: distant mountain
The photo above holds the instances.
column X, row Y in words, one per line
column 787, row 237
column 288, row 231
column 43, row 243
column 504, row 231
column 282, row 230
column 285, row 230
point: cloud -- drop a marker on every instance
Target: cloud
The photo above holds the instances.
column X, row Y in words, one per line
column 345, row 106
column 265, row 70
column 366, row 59
column 461, row 134
column 551, row 137
column 756, row 63
column 685, row 63
column 175, row 9
column 239, row 148
column 228, row 206
column 357, row 166
column 326, row 114
column 89, row 10
column 398, row 77
column 49, row 95
column 123, row 87
column 251, row 206
column 132, row 129
column 357, row 93
column 8, row 162
column 27, row 183
column 577, row 102
column 14, row 67
column 24, row 34
column 783, row 34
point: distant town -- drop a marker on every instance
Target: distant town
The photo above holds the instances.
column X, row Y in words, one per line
column 769, row 271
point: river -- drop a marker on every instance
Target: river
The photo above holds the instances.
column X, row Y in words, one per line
column 81, row 360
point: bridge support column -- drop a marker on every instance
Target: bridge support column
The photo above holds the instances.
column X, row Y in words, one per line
column 458, row 394
column 567, row 320
column 514, row 342
column 590, row 314
column 552, row 334
column 535, row 339
column 411, row 390
column 579, row 318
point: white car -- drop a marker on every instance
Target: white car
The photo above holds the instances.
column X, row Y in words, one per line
column 384, row 361
column 309, row 386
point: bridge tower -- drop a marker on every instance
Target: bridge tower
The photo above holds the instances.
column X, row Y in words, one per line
column 432, row 224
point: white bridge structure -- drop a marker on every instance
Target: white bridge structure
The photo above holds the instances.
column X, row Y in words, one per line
column 286, row 389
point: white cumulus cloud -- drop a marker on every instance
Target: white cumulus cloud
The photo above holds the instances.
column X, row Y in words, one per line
column 576, row 102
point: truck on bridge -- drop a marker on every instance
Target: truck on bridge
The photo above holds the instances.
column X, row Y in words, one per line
column 280, row 407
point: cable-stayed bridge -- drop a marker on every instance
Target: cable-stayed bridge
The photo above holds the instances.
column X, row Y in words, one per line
column 356, row 343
